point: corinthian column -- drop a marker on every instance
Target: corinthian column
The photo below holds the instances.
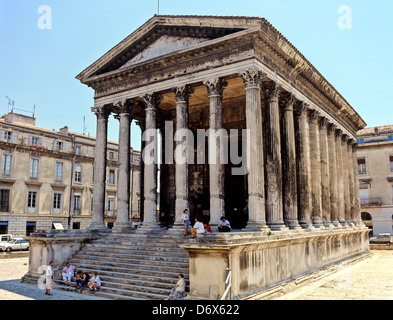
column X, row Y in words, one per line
column 315, row 170
column 303, row 173
column 256, row 181
column 351, row 183
column 181, row 168
column 333, row 175
column 347, row 201
column 123, row 192
column 357, row 213
column 340, row 179
column 215, row 88
column 97, row 218
column 150, row 157
column 289, row 164
column 325, row 173
column 275, row 217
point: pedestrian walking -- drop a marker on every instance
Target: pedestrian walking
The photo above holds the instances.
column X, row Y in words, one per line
column 48, row 278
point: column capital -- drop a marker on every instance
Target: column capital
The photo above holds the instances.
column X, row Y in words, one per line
column 182, row 93
column 344, row 138
column 301, row 108
column 252, row 78
column 287, row 101
column 152, row 100
column 271, row 89
column 313, row 116
column 331, row 128
column 102, row 112
column 323, row 123
column 124, row 106
column 215, row 86
column 355, row 147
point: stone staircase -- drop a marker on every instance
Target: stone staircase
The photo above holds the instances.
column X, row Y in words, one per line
column 135, row 266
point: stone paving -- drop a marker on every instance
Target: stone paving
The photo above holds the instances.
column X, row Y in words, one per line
column 11, row 288
column 370, row 279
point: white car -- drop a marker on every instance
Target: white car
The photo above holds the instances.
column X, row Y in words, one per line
column 15, row 244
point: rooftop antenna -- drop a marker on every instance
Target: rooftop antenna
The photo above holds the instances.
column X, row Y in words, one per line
column 10, row 103
column 84, row 125
column 158, row 7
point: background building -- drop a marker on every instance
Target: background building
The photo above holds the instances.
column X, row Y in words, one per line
column 375, row 168
column 47, row 177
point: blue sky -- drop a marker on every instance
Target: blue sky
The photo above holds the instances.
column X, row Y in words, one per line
column 38, row 66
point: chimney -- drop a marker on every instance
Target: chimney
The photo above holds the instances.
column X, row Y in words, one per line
column 64, row 131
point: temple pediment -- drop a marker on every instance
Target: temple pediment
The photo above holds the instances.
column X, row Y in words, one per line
column 164, row 45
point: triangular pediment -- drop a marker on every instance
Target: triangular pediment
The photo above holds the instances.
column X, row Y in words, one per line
column 164, row 35
column 163, row 46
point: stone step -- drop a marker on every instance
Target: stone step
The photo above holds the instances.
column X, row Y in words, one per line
column 139, row 242
column 134, row 254
column 159, row 272
column 155, row 261
column 132, row 251
column 134, row 247
column 114, row 265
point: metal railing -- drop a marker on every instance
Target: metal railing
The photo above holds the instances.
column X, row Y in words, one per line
column 371, row 202
column 228, row 285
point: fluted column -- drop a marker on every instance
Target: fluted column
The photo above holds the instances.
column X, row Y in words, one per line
column 357, row 211
column 315, row 170
column 275, row 217
column 325, row 172
column 123, row 191
column 347, row 201
column 181, row 168
column 333, row 175
column 97, row 219
column 256, row 180
column 351, row 179
column 215, row 88
column 150, row 219
column 340, row 179
column 303, row 173
column 289, row 164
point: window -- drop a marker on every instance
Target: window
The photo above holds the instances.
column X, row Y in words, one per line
column 35, row 141
column 391, row 163
column 78, row 150
column 5, row 136
column 34, row 168
column 32, row 201
column 59, row 171
column 77, row 204
column 4, row 200
column 59, row 145
column 362, row 166
column 364, row 194
column 111, row 176
column 57, row 202
column 78, row 173
column 6, row 164
column 110, row 155
column 111, row 206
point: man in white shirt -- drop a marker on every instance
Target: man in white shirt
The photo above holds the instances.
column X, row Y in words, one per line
column 48, row 277
column 68, row 272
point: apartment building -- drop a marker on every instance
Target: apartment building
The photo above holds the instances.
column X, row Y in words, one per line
column 375, row 167
column 46, row 178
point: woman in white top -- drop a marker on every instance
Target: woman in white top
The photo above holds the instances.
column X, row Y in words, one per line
column 185, row 218
column 95, row 282
column 198, row 228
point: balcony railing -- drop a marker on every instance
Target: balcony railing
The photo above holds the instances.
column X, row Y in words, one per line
column 370, row 202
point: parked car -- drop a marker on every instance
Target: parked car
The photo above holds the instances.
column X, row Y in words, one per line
column 5, row 237
column 15, row 244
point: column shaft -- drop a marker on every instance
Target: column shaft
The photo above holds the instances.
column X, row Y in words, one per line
column 325, row 173
column 303, row 172
column 357, row 213
column 256, row 179
column 99, row 189
column 150, row 156
column 123, row 191
column 289, row 165
column 340, row 179
column 315, row 170
column 333, row 175
column 347, row 200
column 351, row 179
column 275, row 217
column 215, row 88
